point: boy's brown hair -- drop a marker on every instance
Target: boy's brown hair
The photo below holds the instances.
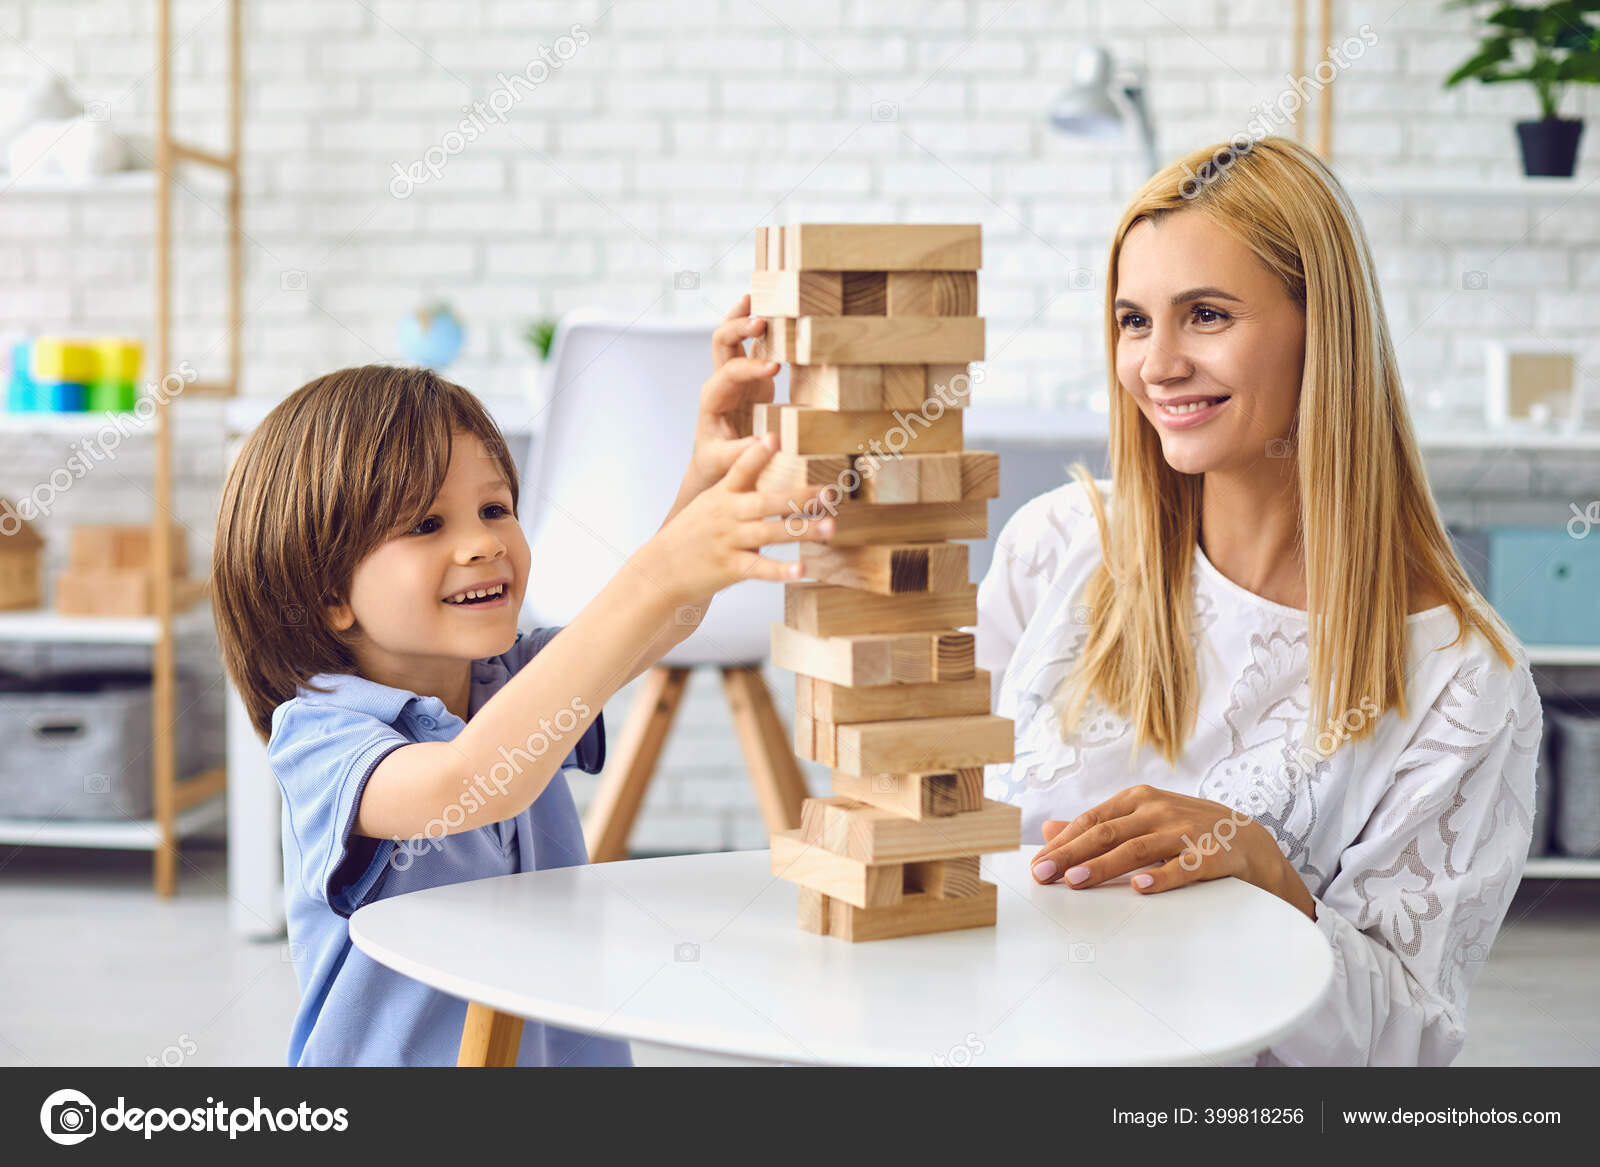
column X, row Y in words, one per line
column 327, row 477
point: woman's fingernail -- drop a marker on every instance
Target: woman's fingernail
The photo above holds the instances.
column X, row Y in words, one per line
column 1078, row 874
column 1144, row 879
column 1044, row 870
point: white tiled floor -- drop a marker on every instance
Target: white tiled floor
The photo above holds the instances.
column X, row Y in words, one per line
column 95, row 971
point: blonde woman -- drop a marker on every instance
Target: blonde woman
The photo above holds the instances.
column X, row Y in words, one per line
column 1252, row 651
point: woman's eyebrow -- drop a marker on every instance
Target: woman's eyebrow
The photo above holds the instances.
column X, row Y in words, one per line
column 1206, row 293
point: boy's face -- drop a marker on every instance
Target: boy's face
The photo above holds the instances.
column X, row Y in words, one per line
column 404, row 596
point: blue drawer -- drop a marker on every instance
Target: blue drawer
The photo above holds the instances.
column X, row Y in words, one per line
column 1545, row 583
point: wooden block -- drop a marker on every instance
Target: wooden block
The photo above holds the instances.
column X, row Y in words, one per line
column 761, row 248
column 874, row 835
column 931, row 743
column 804, row 430
column 871, row 659
column 954, row 657
column 932, row 293
column 864, row 293
column 887, row 340
column 843, row 705
column 852, row 387
column 904, row 386
column 836, row 876
column 935, row 477
column 813, row 911
column 888, row 569
column 777, row 247
column 805, row 735
column 884, row 247
column 857, row 523
column 939, row 478
column 789, row 472
column 805, row 694
column 951, row 384
column 980, row 474
column 797, row 293
column 944, row 879
column 891, row 480
column 105, row 591
column 915, row 795
column 132, row 545
column 916, row 915
column 777, row 343
column 824, row 610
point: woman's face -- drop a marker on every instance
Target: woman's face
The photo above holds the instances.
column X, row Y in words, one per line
column 1208, row 343
column 403, row 597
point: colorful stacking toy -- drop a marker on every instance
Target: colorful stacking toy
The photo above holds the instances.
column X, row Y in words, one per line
column 63, row 374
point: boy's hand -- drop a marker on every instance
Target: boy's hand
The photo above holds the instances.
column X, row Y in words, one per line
column 736, row 383
column 714, row 541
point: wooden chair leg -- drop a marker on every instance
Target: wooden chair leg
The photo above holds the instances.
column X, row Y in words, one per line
column 616, row 804
column 780, row 787
column 489, row 1037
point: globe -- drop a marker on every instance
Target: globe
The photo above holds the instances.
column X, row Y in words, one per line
column 431, row 337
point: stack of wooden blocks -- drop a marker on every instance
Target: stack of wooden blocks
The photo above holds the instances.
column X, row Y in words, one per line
column 878, row 323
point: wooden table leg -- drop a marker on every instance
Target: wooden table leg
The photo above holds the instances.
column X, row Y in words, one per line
column 616, row 804
column 489, row 1038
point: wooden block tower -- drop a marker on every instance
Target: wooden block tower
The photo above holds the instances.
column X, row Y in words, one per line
column 878, row 323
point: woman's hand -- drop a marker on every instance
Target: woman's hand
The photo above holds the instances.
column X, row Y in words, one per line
column 1191, row 839
column 715, row 540
column 737, row 382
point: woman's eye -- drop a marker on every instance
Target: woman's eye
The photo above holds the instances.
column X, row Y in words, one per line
column 1131, row 320
column 1214, row 315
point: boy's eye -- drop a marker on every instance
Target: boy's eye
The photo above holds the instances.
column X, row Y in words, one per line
column 502, row 511
column 419, row 528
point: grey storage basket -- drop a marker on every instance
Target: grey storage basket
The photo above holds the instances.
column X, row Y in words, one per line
column 1576, row 752
column 78, row 746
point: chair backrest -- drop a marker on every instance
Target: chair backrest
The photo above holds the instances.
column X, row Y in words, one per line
column 605, row 464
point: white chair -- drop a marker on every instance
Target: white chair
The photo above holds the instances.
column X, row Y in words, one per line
column 603, row 470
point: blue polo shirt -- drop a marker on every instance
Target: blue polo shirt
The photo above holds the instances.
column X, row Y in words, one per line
column 323, row 747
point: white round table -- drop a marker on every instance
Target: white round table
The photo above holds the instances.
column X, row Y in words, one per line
column 703, row 952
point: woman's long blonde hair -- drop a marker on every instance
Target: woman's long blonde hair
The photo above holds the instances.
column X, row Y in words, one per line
column 1368, row 529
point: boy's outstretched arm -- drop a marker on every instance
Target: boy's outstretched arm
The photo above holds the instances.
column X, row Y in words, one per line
column 712, row 542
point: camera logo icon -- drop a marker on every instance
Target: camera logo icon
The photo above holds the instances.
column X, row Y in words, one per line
column 1474, row 281
column 1280, row 448
column 1080, row 279
column 97, row 111
column 292, row 280
column 686, row 281
column 96, row 783
column 685, row 953
column 885, row 111
column 68, row 1117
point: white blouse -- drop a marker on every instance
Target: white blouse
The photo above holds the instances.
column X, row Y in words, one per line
column 1412, row 841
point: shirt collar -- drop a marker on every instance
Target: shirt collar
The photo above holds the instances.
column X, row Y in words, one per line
column 386, row 702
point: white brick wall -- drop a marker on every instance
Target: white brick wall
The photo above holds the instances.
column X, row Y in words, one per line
column 678, row 128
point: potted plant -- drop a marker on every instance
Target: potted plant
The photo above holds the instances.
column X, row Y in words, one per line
column 1549, row 46
column 538, row 335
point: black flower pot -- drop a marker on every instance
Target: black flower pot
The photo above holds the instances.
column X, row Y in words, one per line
column 1550, row 147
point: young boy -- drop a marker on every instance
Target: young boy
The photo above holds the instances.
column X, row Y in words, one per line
column 368, row 573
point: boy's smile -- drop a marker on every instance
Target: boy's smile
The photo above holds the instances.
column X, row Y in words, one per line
column 445, row 592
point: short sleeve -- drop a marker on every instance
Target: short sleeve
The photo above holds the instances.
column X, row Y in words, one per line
column 322, row 757
column 589, row 755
